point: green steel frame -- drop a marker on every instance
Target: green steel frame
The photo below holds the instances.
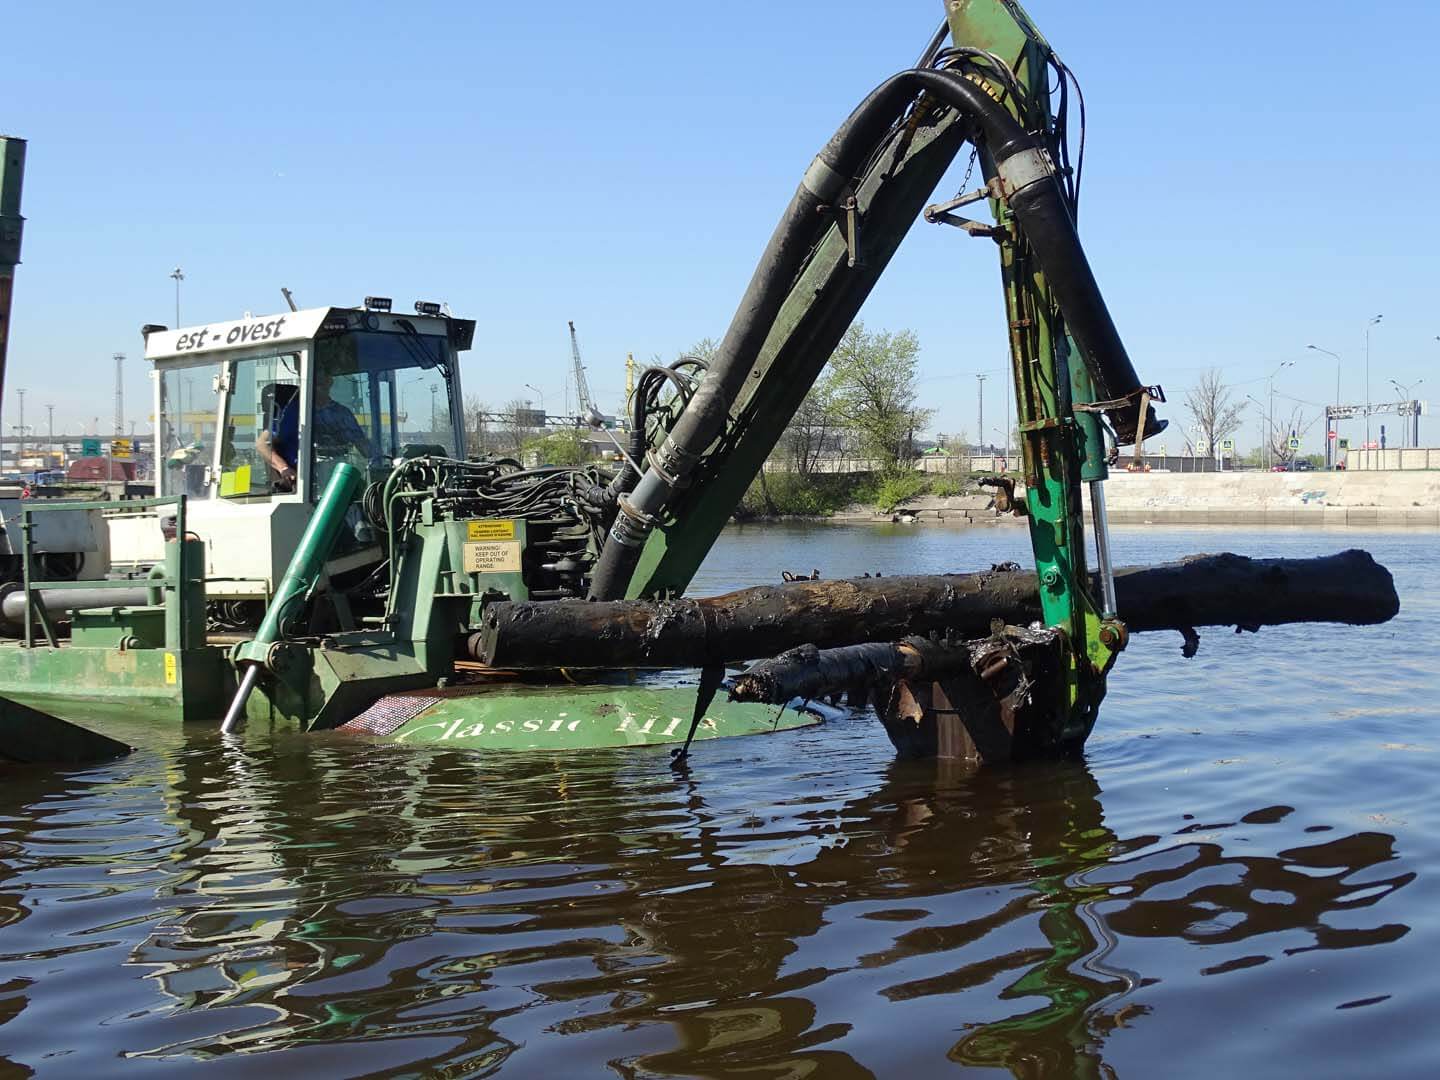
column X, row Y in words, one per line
column 1062, row 446
column 113, row 667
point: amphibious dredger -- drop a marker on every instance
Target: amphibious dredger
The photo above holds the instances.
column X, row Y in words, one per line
column 322, row 549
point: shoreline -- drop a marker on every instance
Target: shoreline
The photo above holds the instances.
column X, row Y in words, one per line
column 1317, row 500
column 1336, row 517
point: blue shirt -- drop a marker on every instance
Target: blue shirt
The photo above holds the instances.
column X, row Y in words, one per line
column 335, row 426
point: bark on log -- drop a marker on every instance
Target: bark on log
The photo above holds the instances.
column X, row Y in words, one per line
column 1202, row 590
column 807, row 672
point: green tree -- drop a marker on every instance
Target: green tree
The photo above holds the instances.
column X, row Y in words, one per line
column 874, row 391
column 814, row 428
column 704, row 349
column 564, row 447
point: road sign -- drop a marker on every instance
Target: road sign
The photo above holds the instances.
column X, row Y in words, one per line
column 120, row 448
column 89, row 447
column 1227, row 446
column 1344, row 444
column 1331, row 435
column 1294, row 443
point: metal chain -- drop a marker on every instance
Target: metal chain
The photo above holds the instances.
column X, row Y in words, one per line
column 970, row 168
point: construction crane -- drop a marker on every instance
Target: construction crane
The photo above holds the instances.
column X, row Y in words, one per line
column 582, row 388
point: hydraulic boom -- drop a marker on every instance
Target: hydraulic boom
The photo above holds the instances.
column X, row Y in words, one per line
column 991, row 89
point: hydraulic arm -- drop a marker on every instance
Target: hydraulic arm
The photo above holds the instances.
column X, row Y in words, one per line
column 991, row 89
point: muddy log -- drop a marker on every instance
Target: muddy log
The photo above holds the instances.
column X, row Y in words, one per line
column 807, row 672
column 975, row 700
column 1202, row 590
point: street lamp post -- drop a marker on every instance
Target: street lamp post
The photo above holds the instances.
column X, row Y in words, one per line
column 1270, row 385
column 1264, row 435
column 980, row 418
column 1368, row 325
column 1332, row 437
column 179, row 276
column 541, row 394
column 1407, row 395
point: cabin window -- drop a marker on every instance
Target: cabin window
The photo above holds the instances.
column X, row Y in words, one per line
column 261, row 412
column 189, row 410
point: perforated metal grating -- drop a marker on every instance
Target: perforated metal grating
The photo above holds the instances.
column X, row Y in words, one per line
column 391, row 713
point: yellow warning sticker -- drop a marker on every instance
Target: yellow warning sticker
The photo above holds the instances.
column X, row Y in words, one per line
column 495, row 529
column 171, row 671
column 492, row 557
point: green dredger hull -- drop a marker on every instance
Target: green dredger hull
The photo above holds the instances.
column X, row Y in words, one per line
column 123, row 693
column 511, row 717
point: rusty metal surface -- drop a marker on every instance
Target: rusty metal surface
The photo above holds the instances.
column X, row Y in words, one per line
column 1003, row 708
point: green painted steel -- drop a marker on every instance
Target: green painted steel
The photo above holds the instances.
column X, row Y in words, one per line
column 149, row 662
column 12, row 181
column 795, row 351
column 308, row 562
column 12, row 226
column 576, row 717
column 1060, row 448
column 97, row 686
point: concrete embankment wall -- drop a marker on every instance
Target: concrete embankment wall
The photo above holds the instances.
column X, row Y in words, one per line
column 1299, row 498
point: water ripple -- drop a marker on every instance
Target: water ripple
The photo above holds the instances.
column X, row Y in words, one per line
column 1234, row 879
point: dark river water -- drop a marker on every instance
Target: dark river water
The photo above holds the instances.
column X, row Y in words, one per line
column 1239, row 880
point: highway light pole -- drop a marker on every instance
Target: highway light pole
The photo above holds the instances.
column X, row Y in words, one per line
column 1270, row 384
column 1407, row 395
column 179, row 276
column 1368, row 325
column 1332, row 443
column 980, row 418
column 1264, row 435
column 20, row 451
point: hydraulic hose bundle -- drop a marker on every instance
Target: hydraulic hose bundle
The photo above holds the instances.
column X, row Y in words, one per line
column 1030, row 188
column 563, row 527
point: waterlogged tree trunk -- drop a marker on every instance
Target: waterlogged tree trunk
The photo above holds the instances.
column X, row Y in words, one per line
column 1203, row 590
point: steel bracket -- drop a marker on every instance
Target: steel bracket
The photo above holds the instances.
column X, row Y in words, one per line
column 939, row 214
column 847, row 219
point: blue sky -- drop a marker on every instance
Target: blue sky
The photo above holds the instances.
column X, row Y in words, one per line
column 1258, row 177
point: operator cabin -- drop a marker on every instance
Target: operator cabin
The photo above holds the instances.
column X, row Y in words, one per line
column 253, row 416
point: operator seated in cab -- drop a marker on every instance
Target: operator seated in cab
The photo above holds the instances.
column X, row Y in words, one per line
column 336, row 431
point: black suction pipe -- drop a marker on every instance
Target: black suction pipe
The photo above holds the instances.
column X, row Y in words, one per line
column 1038, row 203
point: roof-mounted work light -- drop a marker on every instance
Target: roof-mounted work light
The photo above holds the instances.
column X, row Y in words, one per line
column 377, row 303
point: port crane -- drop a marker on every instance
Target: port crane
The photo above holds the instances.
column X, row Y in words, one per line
column 582, row 385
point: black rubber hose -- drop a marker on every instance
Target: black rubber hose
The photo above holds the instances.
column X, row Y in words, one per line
column 1044, row 215
column 1039, row 205
column 801, row 226
column 628, row 476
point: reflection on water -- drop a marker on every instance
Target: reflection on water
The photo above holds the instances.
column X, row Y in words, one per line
column 1232, row 879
